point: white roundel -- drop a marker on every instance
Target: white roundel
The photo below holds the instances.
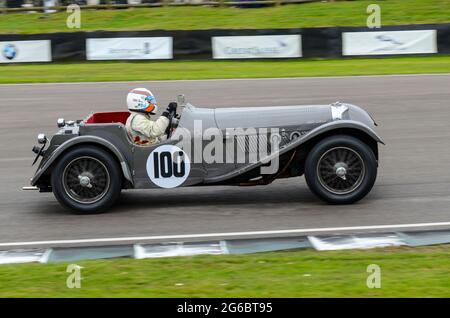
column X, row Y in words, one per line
column 168, row 166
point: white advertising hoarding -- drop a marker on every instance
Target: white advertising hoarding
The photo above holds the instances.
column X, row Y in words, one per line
column 145, row 48
column 25, row 51
column 258, row 46
column 389, row 42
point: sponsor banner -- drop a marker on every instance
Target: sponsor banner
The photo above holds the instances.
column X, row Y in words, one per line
column 258, row 46
column 141, row 48
column 25, row 51
column 48, row 4
column 389, row 42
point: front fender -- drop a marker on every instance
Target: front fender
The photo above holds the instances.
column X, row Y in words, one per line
column 83, row 140
column 337, row 124
column 330, row 126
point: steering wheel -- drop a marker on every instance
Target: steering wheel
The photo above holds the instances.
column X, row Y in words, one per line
column 170, row 127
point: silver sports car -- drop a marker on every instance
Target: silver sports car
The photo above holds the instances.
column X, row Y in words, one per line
column 88, row 162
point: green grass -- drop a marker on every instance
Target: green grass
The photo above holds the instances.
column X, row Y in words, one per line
column 405, row 272
column 180, row 70
column 339, row 13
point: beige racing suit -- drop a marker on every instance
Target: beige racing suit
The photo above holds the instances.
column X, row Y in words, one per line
column 144, row 131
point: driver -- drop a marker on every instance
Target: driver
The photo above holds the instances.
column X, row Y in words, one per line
column 140, row 127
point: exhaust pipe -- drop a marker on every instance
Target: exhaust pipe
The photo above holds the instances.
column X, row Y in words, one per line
column 30, row 188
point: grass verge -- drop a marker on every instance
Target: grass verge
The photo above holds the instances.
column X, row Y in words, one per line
column 183, row 70
column 405, row 272
column 318, row 14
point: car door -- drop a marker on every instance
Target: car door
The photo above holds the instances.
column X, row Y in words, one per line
column 165, row 165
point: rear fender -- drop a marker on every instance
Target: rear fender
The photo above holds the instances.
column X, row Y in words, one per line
column 79, row 141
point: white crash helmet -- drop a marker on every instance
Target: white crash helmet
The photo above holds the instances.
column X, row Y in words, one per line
column 142, row 100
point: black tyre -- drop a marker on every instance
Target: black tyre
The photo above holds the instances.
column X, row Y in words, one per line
column 341, row 169
column 87, row 179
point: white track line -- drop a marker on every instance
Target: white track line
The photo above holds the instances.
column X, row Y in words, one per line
column 224, row 235
column 231, row 79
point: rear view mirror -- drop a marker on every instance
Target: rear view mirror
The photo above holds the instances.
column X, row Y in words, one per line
column 181, row 100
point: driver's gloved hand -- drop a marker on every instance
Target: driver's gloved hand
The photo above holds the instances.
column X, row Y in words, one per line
column 170, row 109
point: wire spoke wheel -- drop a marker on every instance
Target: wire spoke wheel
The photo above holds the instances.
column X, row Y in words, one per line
column 86, row 180
column 340, row 170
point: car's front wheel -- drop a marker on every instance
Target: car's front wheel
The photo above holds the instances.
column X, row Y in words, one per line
column 87, row 179
column 341, row 169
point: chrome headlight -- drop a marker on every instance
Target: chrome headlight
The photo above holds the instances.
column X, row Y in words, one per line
column 42, row 139
column 61, row 122
column 338, row 110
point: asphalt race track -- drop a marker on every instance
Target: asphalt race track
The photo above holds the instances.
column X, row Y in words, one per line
column 413, row 183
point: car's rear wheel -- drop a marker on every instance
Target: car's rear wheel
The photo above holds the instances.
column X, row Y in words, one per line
column 87, row 179
column 341, row 169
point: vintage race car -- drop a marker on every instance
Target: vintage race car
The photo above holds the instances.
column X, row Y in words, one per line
column 88, row 162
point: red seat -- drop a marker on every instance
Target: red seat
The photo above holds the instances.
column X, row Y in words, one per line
column 108, row 118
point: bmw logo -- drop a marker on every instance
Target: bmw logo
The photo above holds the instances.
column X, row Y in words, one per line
column 10, row 51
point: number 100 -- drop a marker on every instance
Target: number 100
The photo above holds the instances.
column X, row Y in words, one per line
column 166, row 167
